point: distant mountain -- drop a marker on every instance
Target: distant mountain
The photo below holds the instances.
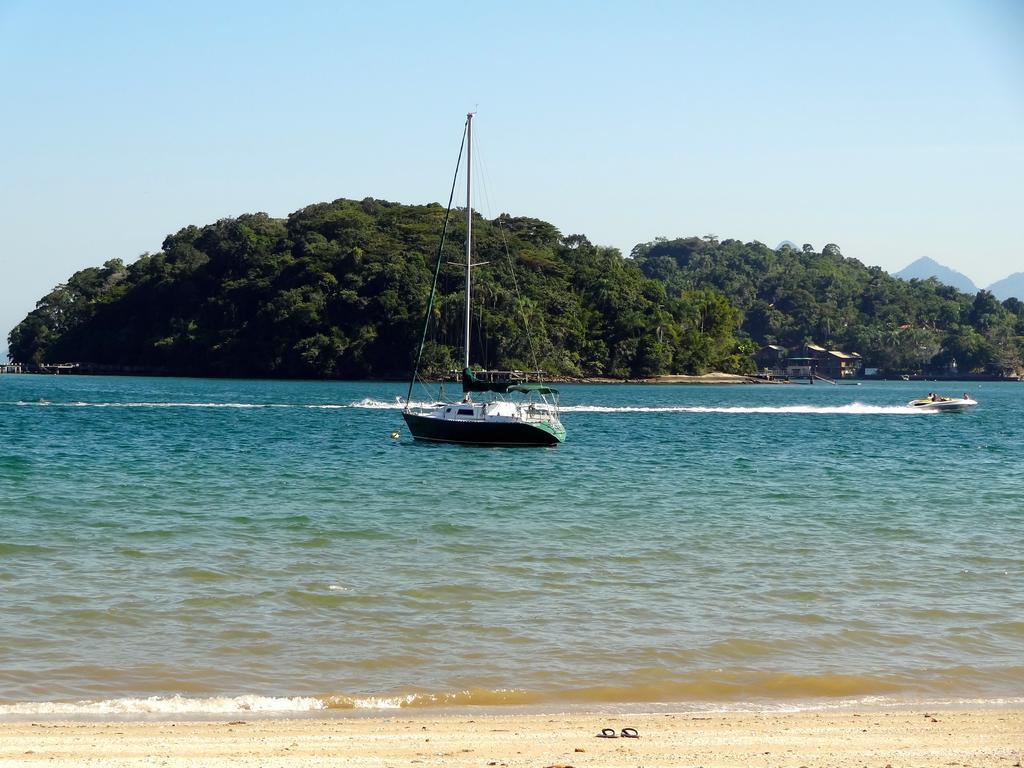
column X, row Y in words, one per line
column 924, row 268
column 1009, row 286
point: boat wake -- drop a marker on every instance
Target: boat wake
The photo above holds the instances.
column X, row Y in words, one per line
column 81, row 404
column 319, row 406
column 857, row 409
column 854, row 408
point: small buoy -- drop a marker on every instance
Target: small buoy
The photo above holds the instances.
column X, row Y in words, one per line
column 395, row 435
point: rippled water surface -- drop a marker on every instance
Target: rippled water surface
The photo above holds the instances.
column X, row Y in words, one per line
column 176, row 544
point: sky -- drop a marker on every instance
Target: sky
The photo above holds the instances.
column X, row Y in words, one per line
column 895, row 130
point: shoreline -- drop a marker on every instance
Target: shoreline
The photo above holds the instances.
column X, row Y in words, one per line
column 715, row 378
column 842, row 739
column 177, row 707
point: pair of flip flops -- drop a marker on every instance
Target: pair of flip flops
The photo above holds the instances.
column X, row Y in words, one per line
column 626, row 733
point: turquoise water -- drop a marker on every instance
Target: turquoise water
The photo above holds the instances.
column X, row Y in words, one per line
column 205, row 545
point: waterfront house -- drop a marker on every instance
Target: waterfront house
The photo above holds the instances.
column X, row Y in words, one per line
column 813, row 351
column 770, row 357
column 840, row 365
column 801, row 367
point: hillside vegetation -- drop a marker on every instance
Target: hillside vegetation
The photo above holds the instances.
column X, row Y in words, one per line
column 791, row 296
column 340, row 290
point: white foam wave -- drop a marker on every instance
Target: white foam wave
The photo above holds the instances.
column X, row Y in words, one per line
column 293, row 705
column 384, row 702
column 171, row 705
column 873, row 703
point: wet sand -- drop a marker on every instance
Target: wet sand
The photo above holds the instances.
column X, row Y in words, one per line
column 982, row 737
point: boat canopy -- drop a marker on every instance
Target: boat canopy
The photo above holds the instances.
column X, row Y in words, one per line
column 540, row 389
column 470, row 383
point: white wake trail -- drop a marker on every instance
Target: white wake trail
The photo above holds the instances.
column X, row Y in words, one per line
column 857, row 409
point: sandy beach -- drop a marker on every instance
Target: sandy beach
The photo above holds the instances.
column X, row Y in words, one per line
column 983, row 737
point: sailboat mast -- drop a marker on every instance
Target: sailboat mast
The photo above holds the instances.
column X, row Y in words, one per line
column 469, row 224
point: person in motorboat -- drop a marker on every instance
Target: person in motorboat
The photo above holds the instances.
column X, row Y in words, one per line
column 936, row 402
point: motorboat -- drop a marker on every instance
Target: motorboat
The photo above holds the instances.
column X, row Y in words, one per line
column 943, row 404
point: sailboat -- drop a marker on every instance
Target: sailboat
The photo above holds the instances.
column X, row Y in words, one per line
column 530, row 418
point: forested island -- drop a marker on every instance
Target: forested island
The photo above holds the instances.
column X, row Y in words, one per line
column 340, row 290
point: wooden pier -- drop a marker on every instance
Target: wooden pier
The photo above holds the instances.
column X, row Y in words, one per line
column 57, row 368
column 50, row 368
column 793, row 377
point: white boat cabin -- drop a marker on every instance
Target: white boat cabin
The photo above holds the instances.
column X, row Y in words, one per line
column 493, row 410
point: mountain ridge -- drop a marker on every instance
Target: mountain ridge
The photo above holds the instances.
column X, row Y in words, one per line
column 925, row 267
column 1011, row 286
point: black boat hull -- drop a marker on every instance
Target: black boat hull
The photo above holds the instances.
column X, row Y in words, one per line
column 481, row 432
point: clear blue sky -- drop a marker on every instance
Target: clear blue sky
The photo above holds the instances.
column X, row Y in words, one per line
column 893, row 129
